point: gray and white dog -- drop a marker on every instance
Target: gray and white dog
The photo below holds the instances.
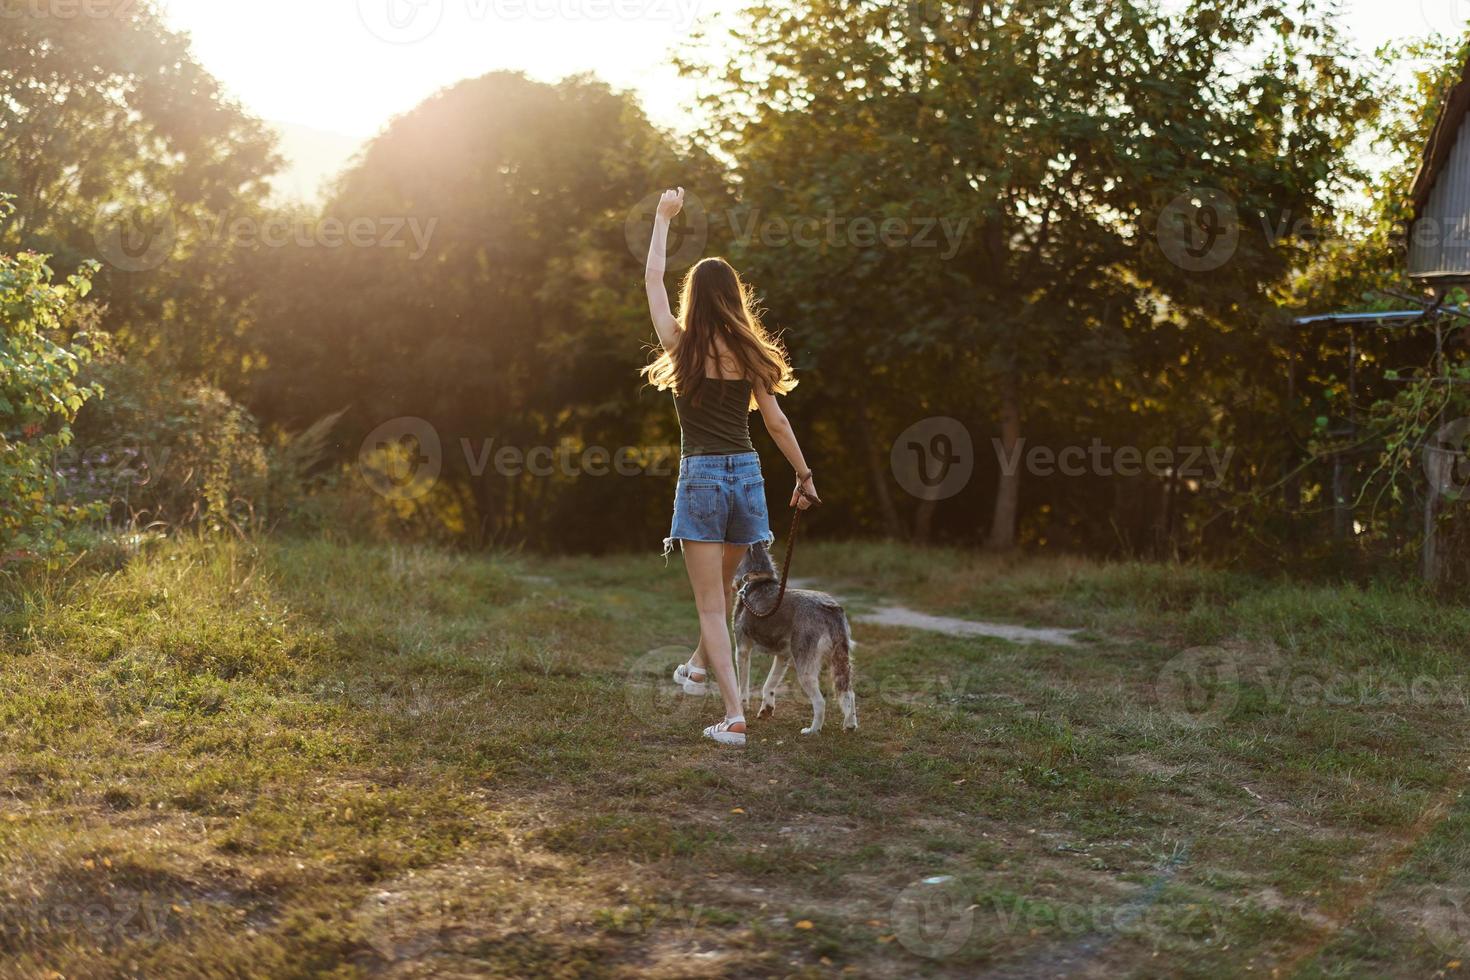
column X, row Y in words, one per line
column 809, row 628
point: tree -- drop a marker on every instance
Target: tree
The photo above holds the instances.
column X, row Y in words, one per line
column 1069, row 141
column 120, row 146
column 512, row 317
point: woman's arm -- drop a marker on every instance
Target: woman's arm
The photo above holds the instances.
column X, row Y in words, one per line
column 779, row 426
column 653, row 276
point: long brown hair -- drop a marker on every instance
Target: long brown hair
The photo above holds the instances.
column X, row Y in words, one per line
column 714, row 302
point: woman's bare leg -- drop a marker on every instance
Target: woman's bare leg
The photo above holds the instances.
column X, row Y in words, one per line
column 733, row 554
column 706, row 566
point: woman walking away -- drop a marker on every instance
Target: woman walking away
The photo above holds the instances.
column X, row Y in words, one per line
column 720, row 364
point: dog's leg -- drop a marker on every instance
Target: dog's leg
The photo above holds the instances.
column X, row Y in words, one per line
column 808, row 675
column 773, row 681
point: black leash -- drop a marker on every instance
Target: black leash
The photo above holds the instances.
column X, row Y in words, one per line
column 785, row 565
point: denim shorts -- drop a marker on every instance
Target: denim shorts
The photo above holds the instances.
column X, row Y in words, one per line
column 720, row 498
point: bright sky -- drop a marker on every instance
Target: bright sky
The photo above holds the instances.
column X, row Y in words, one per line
column 349, row 66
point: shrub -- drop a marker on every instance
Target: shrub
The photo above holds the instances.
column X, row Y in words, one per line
column 48, row 335
column 167, row 451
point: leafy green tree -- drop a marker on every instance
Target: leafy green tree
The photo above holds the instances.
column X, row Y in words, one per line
column 1069, row 141
column 501, row 301
column 121, row 147
column 47, row 336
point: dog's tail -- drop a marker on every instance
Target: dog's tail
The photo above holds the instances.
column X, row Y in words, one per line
column 842, row 647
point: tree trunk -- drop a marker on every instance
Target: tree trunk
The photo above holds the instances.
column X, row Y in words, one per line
column 1008, row 485
column 1431, row 567
column 879, row 472
column 924, row 520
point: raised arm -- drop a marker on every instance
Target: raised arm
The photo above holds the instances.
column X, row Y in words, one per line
column 779, row 426
column 653, row 276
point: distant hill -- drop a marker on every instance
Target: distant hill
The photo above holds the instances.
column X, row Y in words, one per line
column 313, row 157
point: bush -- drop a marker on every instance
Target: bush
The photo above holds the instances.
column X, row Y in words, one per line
column 167, row 451
column 47, row 337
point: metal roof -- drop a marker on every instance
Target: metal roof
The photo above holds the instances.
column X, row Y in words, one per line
column 1439, row 241
column 1394, row 318
column 1442, row 141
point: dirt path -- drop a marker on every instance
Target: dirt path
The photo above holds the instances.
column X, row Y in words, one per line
column 887, row 613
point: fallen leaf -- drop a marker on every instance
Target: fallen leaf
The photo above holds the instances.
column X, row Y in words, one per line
column 738, row 810
column 804, row 924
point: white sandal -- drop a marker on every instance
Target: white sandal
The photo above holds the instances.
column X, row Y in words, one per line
column 731, row 731
column 682, row 679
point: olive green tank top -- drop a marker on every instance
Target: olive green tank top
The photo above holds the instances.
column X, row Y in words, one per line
column 720, row 424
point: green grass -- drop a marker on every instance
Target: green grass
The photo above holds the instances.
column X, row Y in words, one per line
column 304, row 758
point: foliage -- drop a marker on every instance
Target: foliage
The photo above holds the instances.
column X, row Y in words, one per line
column 1058, row 136
column 48, row 335
column 123, row 148
column 168, row 451
column 513, row 317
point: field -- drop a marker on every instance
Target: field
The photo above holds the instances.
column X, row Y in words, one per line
column 306, row 757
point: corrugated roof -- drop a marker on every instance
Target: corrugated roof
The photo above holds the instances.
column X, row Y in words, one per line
column 1442, row 140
